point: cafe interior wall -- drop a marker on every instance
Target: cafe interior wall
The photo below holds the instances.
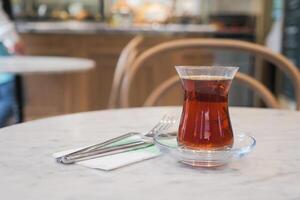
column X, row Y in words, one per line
column 216, row 6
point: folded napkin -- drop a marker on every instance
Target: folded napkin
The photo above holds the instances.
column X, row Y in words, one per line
column 112, row 162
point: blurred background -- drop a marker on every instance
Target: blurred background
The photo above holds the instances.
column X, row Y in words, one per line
column 100, row 29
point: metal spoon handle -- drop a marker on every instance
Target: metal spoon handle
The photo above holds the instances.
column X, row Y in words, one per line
column 102, row 144
column 103, row 152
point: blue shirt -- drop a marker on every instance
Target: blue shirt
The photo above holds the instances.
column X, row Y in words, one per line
column 4, row 77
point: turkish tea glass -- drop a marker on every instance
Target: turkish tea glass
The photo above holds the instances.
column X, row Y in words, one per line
column 205, row 122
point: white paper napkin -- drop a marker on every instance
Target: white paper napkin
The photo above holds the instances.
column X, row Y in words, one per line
column 118, row 160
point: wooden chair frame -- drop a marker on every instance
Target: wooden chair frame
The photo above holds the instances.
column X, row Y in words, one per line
column 126, row 58
column 217, row 44
column 253, row 84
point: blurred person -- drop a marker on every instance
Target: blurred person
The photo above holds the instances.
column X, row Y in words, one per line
column 9, row 44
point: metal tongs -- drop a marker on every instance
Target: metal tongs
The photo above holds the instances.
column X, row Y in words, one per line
column 110, row 147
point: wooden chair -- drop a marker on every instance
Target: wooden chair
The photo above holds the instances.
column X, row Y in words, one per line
column 127, row 56
column 214, row 44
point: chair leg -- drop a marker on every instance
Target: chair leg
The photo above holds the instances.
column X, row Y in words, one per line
column 19, row 99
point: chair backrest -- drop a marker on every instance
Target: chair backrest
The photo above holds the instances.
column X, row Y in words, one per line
column 262, row 91
column 125, row 60
column 216, row 44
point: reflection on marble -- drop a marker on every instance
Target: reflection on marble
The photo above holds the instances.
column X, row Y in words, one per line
column 27, row 170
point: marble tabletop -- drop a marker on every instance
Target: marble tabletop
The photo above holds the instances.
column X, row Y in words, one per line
column 27, row 170
column 43, row 64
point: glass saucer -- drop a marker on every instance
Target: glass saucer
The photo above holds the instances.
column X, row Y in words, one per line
column 167, row 143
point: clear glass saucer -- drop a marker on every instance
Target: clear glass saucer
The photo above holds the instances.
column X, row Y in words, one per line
column 167, row 143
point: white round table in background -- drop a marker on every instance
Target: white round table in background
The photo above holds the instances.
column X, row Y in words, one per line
column 27, row 170
column 23, row 65
column 43, row 64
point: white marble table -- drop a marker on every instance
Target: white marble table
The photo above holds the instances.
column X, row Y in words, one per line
column 43, row 64
column 22, row 65
column 27, row 170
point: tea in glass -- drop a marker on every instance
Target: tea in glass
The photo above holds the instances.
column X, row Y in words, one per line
column 205, row 121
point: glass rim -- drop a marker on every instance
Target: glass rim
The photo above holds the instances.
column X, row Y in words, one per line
column 205, row 67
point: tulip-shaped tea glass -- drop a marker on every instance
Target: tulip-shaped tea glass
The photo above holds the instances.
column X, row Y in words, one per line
column 205, row 137
column 205, row 122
